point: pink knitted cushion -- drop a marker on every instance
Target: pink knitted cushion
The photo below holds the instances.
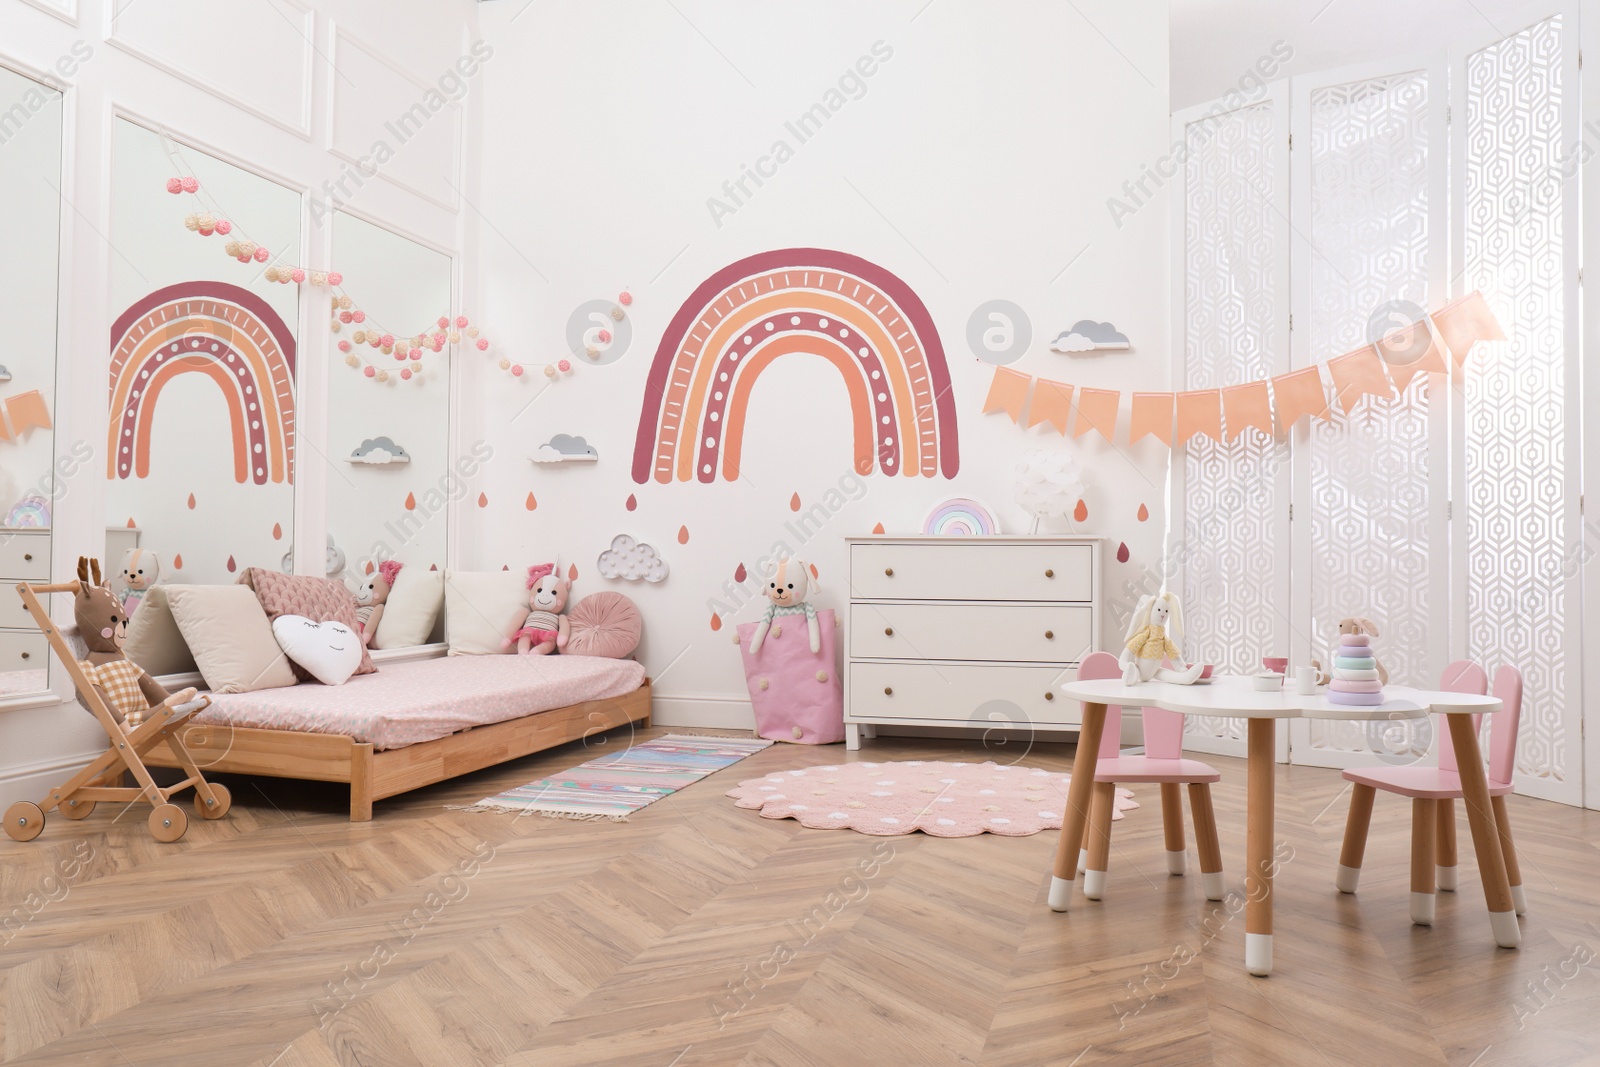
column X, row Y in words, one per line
column 318, row 599
column 604, row 624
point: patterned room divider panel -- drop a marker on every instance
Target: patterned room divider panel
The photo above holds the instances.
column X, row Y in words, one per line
column 1231, row 318
column 1518, row 518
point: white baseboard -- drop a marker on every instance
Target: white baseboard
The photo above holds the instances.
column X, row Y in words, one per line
column 710, row 712
column 33, row 780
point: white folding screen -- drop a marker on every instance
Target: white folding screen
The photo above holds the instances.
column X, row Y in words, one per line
column 1231, row 279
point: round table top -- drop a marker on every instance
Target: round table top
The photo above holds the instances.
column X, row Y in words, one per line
column 1236, row 697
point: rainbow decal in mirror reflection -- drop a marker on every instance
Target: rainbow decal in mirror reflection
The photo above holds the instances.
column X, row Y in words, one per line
column 226, row 333
column 812, row 301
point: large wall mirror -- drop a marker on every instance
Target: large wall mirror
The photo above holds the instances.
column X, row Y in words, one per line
column 389, row 404
column 203, row 363
column 30, row 480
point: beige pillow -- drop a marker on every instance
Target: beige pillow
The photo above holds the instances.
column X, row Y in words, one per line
column 154, row 641
column 412, row 609
column 227, row 629
column 482, row 609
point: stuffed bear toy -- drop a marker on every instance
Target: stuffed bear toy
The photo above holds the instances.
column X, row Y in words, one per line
column 546, row 629
column 371, row 595
column 787, row 593
column 128, row 692
column 1147, row 643
column 141, row 570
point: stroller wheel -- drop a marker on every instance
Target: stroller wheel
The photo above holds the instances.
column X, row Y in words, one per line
column 76, row 809
column 24, row 821
column 224, row 802
column 168, row 822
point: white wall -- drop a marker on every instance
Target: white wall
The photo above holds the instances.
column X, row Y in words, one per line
column 975, row 164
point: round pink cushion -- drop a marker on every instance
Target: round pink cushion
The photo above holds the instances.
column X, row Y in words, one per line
column 604, row 624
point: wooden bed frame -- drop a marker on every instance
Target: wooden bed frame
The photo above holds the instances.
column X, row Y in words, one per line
column 375, row 775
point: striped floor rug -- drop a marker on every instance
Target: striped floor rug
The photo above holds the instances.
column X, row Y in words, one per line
column 616, row 785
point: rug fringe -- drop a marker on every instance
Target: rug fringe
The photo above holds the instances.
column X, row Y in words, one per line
column 506, row 809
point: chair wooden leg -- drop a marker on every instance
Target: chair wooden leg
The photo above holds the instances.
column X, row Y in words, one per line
column 1355, row 837
column 1446, row 845
column 1424, row 820
column 1502, row 820
column 1205, row 839
column 1172, row 824
column 1094, row 878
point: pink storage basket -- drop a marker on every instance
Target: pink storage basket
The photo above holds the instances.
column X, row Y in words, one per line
column 798, row 696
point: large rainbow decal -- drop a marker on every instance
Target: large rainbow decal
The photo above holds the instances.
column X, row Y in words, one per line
column 226, row 333
column 858, row 316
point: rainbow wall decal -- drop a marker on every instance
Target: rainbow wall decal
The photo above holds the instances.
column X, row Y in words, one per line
column 960, row 517
column 858, row 316
column 226, row 333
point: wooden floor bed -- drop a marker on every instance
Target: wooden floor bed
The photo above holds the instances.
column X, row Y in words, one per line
column 375, row 775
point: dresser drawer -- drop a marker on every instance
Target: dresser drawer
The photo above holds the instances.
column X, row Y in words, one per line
column 1045, row 633
column 972, row 571
column 24, row 651
column 25, row 555
column 972, row 694
column 13, row 613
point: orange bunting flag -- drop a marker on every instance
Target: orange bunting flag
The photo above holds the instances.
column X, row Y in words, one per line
column 1007, row 392
column 1247, row 407
column 1297, row 395
column 1462, row 323
column 1152, row 414
column 1052, row 401
column 1357, row 374
column 27, row 411
column 1199, row 412
column 1097, row 410
column 1410, row 351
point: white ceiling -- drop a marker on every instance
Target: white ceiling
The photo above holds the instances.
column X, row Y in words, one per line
column 1214, row 42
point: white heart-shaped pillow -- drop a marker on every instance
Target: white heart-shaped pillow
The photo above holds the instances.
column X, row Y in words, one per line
column 331, row 651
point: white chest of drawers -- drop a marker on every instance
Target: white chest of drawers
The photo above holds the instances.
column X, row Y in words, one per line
column 967, row 631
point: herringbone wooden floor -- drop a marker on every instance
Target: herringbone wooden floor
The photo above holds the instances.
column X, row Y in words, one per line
column 699, row 934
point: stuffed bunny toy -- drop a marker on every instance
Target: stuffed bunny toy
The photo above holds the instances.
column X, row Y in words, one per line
column 1147, row 643
column 787, row 593
column 372, row 595
column 128, row 692
column 1355, row 625
column 546, row 628
column 141, row 570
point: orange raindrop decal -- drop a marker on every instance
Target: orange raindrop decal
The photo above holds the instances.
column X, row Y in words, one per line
column 277, row 531
column 572, row 573
column 633, row 501
column 794, row 502
column 411, row 502
column 683, row 535
column 177, row 562
column 716, row 622
column 1122, row 552
column 483, row 500
column 1080, row 512
column 530, row 503
column 740, row 574
column 131, row 524
column 191, row 501
column 878, row 529
column 433, row 567
column 1144, row 513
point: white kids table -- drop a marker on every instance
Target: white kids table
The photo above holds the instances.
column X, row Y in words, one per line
column 1237, row 698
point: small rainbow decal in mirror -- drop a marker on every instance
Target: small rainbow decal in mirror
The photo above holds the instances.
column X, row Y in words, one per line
column 960, row 517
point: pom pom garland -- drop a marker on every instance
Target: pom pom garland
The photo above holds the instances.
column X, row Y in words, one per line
column 224, row 227
column 174, row 185
column 188, row 185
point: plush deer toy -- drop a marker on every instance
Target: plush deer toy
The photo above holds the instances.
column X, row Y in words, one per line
column 1147, row 643
column 786, row 595
column 128, row 692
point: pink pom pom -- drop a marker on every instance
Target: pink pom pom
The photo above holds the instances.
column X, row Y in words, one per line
column 298, row 275
column 603, row 336
column 189, row 185
column 565, row 365
column 415, row 353
column 461, row 322
column 371, row 372
column 405, row 375
column 360, row 316
column 625, row 299
column 399, row 355
column 388, row 338
column 262, row 255
column 444, row 320
column 375, row 341
column 516, row 370
column 344, row 346
column 207, row 231
column 483, row 344
column 345, row 316
column 244, row 259
column 224, row 227
column 335, row 278
column 174, row 185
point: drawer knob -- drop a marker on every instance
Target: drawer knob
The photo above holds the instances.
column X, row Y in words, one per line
column 1048, row 573
column 887, row 691
column 888, row 631
column 888, row 572
column 1049, row 696
column 28, row 556
column 25, row 655
column 1049, row 635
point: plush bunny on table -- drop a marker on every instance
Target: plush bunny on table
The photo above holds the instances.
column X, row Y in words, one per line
column 372, row 595
column 546, row 629
column 1147, row 643
column 141, row 569
column 128, row 692
column 786, row 595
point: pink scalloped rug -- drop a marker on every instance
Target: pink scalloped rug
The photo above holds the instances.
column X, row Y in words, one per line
column 939, row 798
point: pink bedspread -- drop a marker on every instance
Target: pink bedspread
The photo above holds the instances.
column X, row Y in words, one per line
column 421, row 700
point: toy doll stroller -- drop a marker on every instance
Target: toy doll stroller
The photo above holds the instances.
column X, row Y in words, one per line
column 77, row 798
